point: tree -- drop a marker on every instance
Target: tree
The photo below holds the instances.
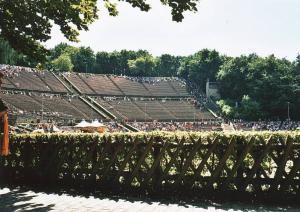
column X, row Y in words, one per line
column 232, row 77
column 142, row 66
column 201, row 66
column 7, row 54
column 27, row 23
column 58, row 50
column 103, row 65
column 84, row 60
column 63, row 63
column 262, row 87
column 226, row 108
column 167, row 65
column 249, row 109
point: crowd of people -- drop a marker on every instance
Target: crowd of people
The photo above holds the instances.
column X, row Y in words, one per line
column 125, row 98
column 177, row 126
column 199, row 101
column 149, row 80
column 13, row 71
column 155, row 80
column 265, row 125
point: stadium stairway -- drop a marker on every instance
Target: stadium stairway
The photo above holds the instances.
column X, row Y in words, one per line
column 74, row 87
column 11, row 82
column 62, row 82
column 168, row 111
column 127, row 127
column 86, row 83
column 141, row 109
column 87, row 100
column 213, row 107
column 116, row 85
column 147, row 89
column 172, row 86
column 103, row 109
column 43, row 80
column 93, row 107
column 131, row 128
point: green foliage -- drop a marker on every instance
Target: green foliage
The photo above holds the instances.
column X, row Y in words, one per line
column 24, row 24
column 142, row 66
column 84, row 60
column 128, row 159
column 201, row 66
column 167, row 65
column 269, row 83
column 63, row 63
column 232, row 77
column 226, row 108
column 7, row 54
column 27, row 23
column 249, row 109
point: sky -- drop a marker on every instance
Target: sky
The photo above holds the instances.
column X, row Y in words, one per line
column 232, row 27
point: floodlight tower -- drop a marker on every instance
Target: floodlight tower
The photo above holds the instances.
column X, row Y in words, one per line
column 288, row 110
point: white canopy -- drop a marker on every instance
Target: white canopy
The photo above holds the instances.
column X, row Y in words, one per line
column 83, row 123
column 96, row 123
column 38, row 131
column 55, row 129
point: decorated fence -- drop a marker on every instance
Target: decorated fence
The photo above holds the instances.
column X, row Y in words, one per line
column 253, row 162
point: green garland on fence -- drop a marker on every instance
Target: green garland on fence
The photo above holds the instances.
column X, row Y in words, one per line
column 247, row 162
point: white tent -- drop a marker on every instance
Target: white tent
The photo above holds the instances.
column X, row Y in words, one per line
column 55, row 129
column 38, row 131
column 96, row 123
column 83, row 123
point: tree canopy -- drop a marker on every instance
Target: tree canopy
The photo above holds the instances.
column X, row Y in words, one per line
column 251, row 87
column 27, row 23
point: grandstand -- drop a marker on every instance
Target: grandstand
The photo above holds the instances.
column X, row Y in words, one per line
column 76, row 96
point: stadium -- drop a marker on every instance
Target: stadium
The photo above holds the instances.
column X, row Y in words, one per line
column 136, row 112
column 120, row 103
column 39, row 100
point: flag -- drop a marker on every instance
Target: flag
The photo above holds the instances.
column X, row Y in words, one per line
column 5, row 141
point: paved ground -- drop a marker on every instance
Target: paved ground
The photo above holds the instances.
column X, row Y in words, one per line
column 22, row 200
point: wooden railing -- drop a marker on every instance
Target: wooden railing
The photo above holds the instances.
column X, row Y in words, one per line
column 253, row 162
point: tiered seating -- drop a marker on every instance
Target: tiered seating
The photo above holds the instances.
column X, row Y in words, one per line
column 23, row 103
column 160, row 88
column 101, row 84
column 111, row 108
column 124, row 109
column 29, row 81
column 140, row 99
column 7, row 84
column 54, row 84
column 79, row 83
column 83, row 107
column 129, row 87
column 184, row 110
column 161, row 110
column 180, row 88
column 54, row 106
column 60, row 106
column 155, row 110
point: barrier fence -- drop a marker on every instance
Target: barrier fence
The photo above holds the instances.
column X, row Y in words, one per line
column 244, row 162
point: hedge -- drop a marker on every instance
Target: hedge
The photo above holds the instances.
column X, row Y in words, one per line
column 243, row 162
